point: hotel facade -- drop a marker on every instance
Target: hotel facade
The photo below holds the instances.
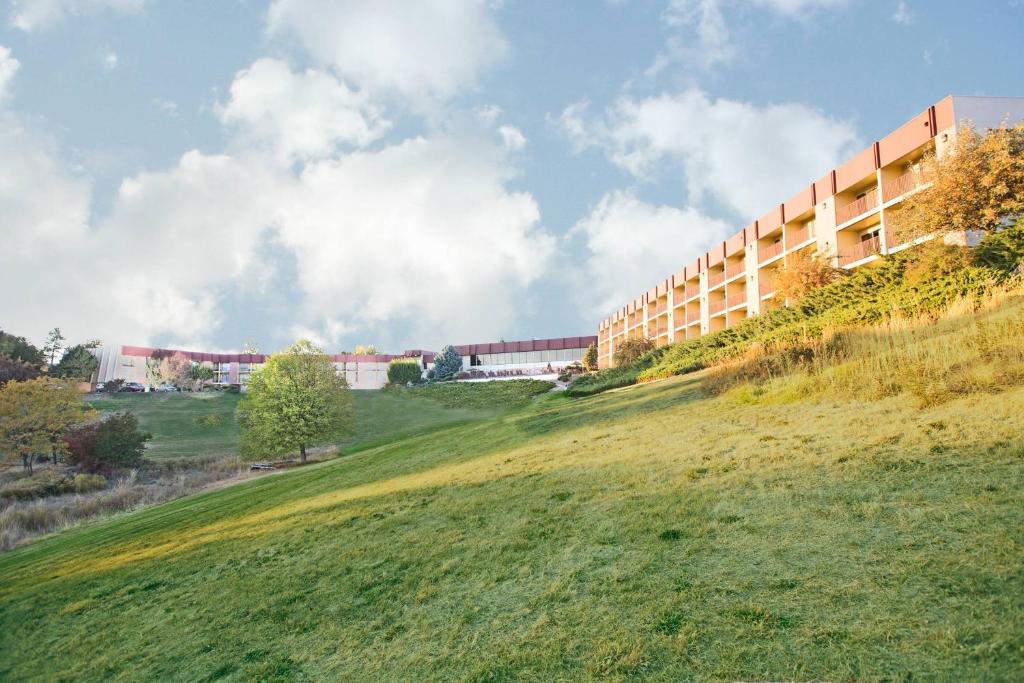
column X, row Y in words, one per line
column 847, row 215
column 534, row 358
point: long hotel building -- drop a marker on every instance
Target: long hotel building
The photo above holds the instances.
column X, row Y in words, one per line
column 842, row 215
column 497, row 360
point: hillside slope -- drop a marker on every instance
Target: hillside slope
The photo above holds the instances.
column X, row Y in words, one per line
column 652, row 531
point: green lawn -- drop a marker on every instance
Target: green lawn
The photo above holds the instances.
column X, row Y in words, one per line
column 648, row 532
column 172, row 420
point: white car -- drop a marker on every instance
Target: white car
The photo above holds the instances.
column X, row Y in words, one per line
column 166, row 387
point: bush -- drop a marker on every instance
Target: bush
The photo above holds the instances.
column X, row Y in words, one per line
column 14, row 370
column 107, row 446
column 590, row 358
column 113, row 386
column 87, row 483
column 631, row 350
column 403, row 371
column 212, row 420
column 447, row 363
column 803, row 274
column 39, row 485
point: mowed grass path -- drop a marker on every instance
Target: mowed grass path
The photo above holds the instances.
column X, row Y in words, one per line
column 645, row 533
column 172, row 419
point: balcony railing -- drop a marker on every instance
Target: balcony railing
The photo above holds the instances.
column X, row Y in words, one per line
column 795, row 237
column 771, row 251
column 897, row 186
column 716, row 278
column 736, row 299
column 857, row 207
column 766, row 287
column 656, row 310
column 861, row 250
column 717, row 306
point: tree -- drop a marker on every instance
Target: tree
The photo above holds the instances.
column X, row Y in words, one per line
column 371, row 350
column 296, row 400
column 404, row 371
column 35, row 415
column 590, row 358
column 976, row 186
column 176, row 369
column 119, row 443
column 631, row 350
column 250, row 347
column 18, row 348
column 153, row 378
column 201, row 374
column 447, row 363
column 803, row 274
column 112, row 444
column 54, row 345
column 78, row 362
column 13, row 370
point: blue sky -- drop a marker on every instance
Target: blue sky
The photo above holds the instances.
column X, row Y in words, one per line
column 407, row 174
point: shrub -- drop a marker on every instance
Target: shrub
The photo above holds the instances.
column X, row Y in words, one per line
column 630, row 350
column 803, row 274
column 404, row 371
column 87, row 483
column 113, row 386
column 590, row 358
column 107, row 446
column 212, row 420
column 14, row 370
column 447, row 363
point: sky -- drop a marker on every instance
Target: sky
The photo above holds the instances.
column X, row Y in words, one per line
column 410, row 173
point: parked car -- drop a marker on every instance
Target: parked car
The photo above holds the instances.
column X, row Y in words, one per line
column 166, row 387
column 133, row 388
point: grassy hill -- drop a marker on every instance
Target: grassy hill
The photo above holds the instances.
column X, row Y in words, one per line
column 188, row 425
column 749, row 532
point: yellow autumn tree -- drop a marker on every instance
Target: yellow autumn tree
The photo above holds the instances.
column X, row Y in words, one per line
column 803, row 274
column 35, row 415
column 977, row 185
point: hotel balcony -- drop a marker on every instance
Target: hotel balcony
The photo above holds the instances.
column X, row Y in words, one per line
column 899, row 186
column 736, row 299
column 716, row 307
column 766, row 287
column 859, row 206
column 770, row 251
column 797, row 237
column 715, row 278
column 860, row 251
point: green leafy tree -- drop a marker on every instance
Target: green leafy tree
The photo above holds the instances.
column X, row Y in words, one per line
column 590, row 358
column 201, row 374
column 119, row 442
column 404, row 371
column 78, row 362
column 35, row 415
column 296, row 400
column 18, row 348
column 54, row 345
column 447, row 363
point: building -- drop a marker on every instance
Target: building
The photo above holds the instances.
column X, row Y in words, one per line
column 842, row 215
column 539, row 358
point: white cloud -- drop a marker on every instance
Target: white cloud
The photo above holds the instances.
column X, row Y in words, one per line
column 419, row 49
column 703, row 31
column 298, row 115
column 631, row 244
column 512, row 138
column 747, row 157
column 110, row 60
column 33, row 15
column 8, row 67
column 424, row 231
column 903, row 15
column 169, row 107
